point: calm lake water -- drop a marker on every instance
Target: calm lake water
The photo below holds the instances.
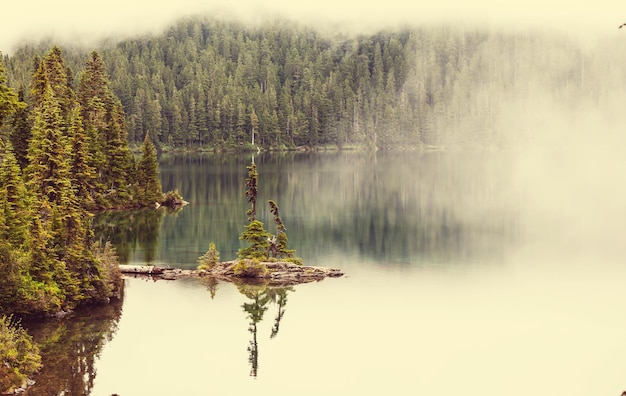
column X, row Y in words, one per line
column 481, row 273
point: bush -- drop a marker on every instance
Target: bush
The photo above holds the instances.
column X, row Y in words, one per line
column 173, row 199
column 110, row 273
column 250, row 268
column 209, row 259
column 295, row 260
column 19, row 357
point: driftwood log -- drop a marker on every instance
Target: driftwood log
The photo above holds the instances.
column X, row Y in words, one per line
column 142, row 269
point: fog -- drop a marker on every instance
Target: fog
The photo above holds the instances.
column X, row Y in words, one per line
column 85, row 22
column 566, row 177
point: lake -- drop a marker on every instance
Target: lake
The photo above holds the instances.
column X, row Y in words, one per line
column 474, row 273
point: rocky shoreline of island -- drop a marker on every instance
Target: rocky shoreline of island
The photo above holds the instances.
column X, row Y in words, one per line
column 275, row 273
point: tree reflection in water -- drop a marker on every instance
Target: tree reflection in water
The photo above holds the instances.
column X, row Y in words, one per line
column 129, row 229
column 69, row 348
column 260, row 296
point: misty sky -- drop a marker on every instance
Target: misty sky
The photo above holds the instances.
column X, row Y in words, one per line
column 84, row 21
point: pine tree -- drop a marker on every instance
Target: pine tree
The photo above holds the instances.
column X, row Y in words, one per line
column 82, row 172
column 252, row 191
column 13, row 200
column 9, row 101
column 148, row 182
column 105, row 125
column 279, row 245
column 57, row 224
column 52, row 74
column 20, row 132
column 48, row 170
column 258, row 238
column 209, row 259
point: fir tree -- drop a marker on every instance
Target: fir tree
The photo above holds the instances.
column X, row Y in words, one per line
column 20, row 134
column 9, row 101
column 252, row 191
column 57, row 224
column 209, row 259
column 13, row 200
column 52, row 74
column 279, row 246
column 82, row 172
column 258, row 238
column 105, row 125
column 148, row 182
column 48, row 170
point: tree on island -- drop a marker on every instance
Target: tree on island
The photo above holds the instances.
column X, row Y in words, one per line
column 263, row 245
column 252, row 191
column 278, row 244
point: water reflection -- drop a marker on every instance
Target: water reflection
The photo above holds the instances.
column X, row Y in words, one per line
column 260, row 297
column 129, row 230
column 70, row 347
column 393, row 207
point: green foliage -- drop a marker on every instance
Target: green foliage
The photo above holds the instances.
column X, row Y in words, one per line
column 20, row 132
column 48, row 170
column 148, row 181
column 83, row 173
column 294, row 260
column 105, row 126
column 278, row 244
column 19, row 356
column 252, row 190
column 109, row 274
column 173, row 199
column 209, row 259
column 47, row 256
column 13, row 199
column 250, row 268
column 9, row 101
column 218, row 83
column 256, row 235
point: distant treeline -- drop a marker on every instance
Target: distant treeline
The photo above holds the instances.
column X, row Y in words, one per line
column 224, row 84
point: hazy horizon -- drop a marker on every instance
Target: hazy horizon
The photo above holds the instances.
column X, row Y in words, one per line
column 70, row 21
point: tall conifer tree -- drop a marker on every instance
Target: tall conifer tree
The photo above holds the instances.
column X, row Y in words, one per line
column 82, row 171
column 104, row 122
column 9, row 101
column 20, row 133
column 149, row 185
column 13, row 199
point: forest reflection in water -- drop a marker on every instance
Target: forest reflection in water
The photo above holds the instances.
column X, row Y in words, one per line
column 391, row 207
column 70, row 347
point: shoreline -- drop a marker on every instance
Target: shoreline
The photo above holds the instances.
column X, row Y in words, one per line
column 274, row 273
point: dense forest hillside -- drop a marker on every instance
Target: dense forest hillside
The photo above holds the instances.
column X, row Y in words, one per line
column 223, row 84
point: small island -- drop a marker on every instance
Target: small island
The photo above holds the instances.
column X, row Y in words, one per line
column 273, row 273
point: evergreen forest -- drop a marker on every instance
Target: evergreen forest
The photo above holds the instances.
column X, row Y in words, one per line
column 64, row 153
column 224, row 85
